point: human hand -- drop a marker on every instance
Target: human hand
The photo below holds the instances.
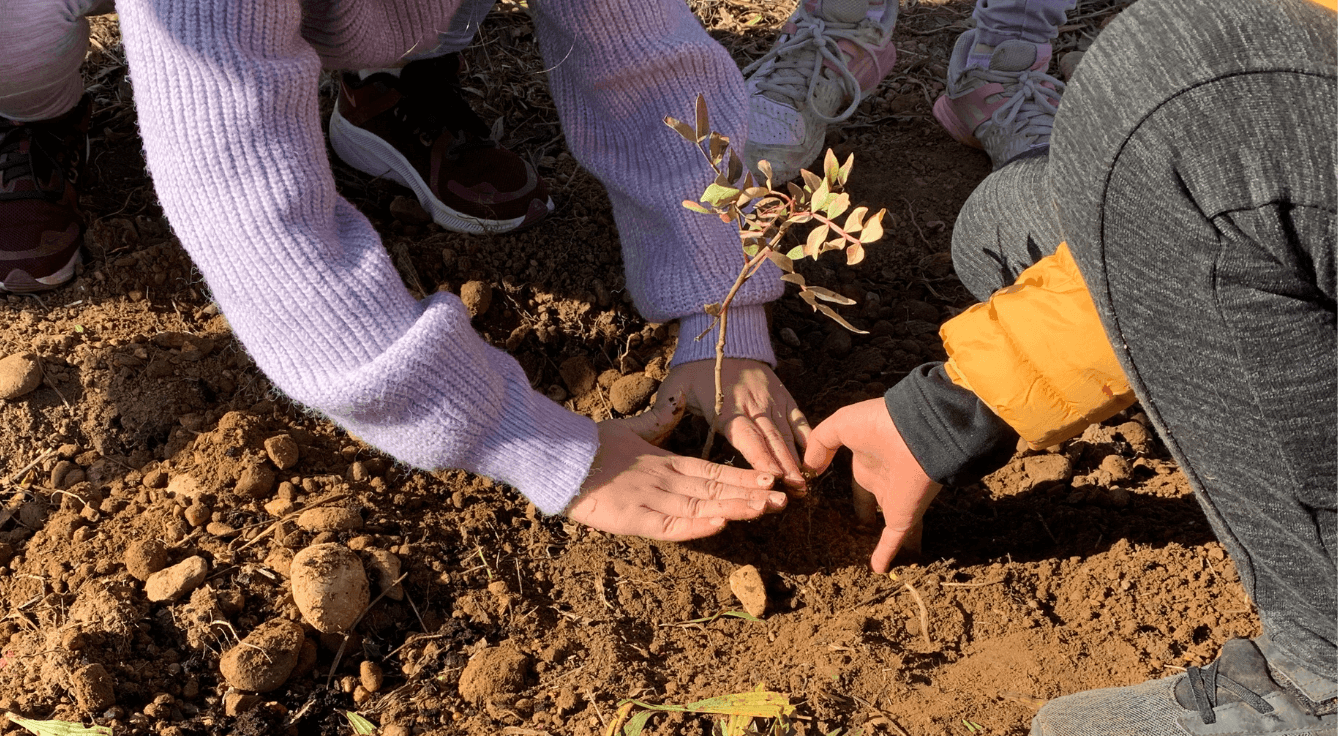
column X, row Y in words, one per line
column 636, row 488
column 759, row 418
column 882, row 464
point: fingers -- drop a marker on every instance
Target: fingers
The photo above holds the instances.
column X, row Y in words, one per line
column 749, row 439
column 888, row 544
column 799, row 423
column 780, row 441
column 823, row 442
column 743, row 478
column 656, row 424
column 679, row 529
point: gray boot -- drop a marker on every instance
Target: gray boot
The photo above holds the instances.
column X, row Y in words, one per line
column 1240, row 694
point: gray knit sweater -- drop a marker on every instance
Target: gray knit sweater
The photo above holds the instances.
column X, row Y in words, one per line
column 227, row 98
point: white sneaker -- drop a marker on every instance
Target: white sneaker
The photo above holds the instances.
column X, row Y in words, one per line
column 829, row 55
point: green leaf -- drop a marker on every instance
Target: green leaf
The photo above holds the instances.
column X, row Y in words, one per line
column 873, row 229
column 79, row 329
column 839, row 319
column 838, row 204
column 360, row 725
column 637, row 723
column 827, row 295
column 855, row 222
column 845, row 169
column 830, row 169
column 821, row 196
column 794, row 278
column 59, row 728
column 689, row 204
column 751, row 250
column 795, row 253
column 784, row 263
column 703, row 120
column 682, row 128
column 854, row 254
column 815, row 238
column 717, row 194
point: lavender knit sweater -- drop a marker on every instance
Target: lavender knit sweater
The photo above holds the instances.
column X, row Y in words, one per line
column 227, row 98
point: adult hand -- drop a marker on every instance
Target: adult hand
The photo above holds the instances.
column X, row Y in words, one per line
column 760, row 418
column 636, row 488
column 883, row 465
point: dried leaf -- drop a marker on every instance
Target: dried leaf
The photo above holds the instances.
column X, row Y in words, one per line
column 815, row 238
column 794, row 278
column 703, row 120
column 839, row 319
column 59, row 728
column 637, row 723
column 784, row 263
column 689, row 204
column 682, row 128
column 751, row 250
column 827, row 295
column 834, row 244
column 809, row 299
column 735, row 166
column 796, row 193
column 712, row 309
column 854, row 254
column 811, row 180
column 756, row 192
column 838, row 204
column 873, row 229
column 845, row 169
column 855, row 221
column 830, row 169
column 360, row 725
column 717, row 146
column 801, row 219
column 764, row 166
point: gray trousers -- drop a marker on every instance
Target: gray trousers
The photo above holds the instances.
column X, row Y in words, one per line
column 1192, row 173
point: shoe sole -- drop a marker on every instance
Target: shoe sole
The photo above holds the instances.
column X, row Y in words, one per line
column 372, row 155
column 19, row 282
column 945, row 116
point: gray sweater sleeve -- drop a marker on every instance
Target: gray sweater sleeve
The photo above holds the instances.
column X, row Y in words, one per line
column 956, row 438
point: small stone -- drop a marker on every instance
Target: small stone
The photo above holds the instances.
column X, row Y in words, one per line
column 329, row 586
column 93, row 688
column 578, row 374
column 790, row 337
column 59, row 473
column 1048, row 469
column 197, row 514
column 1118, row 498
column 477, row 297
column 838, row 342
column 358, row 472
column 409, row 210
column 746, row 584
column 280, row 560
column 171, row 583
column 1138, row 437
column 329, row 519
column 395, row 729
column 361, row 695
column 282, row 450
column 256, row 481
column 370, row 675
column 387, row 569
column 493, row 672
column 237, row 703
column 220, row 529
column 19, row 374
column 263, row 660
column 608, row 378
column 280, row 507
column 306, row 659
column 1118, row 468
column 156, row 478
column 630, row 393
column 1068, row 63
column 556, row 393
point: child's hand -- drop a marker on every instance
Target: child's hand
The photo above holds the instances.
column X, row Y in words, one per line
column 882, row 464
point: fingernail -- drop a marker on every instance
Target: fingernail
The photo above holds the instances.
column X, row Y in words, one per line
column 778, row 499
column 758, row 504
column 766, row 481
column 717, row 522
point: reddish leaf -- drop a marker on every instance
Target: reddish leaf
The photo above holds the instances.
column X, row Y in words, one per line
column 811, row 180
column 839, row 319
column 827, row 295
column 689, row 204
column 794, row 278
column 815, row 238
column 830, row 169
column 838, row 204
column 764, row 166
column 703, row 120
column 873, row 229
column 855, row 222
column 682, row 128
column 782, row 262
column 854, row 254
column 845, row 169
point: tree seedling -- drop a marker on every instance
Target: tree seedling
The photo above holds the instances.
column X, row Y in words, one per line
column 764, row 216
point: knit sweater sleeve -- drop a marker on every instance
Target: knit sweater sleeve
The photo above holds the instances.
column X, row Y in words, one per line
column 616, row 69
column 227, row 99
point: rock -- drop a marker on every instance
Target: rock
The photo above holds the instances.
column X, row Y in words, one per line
column 395, row 729
column 237, row 703
column 608, row 378
column 790, row 337
column 60, row 472
column 282, row 450
column 19, row 374
column 220, row 529
column 493, row 672
column 387, row 569
column 477, row 297
column 256, row 481
column 409, row 210
column 1118, row 468
column 280, row 560
column 1047, row 469
column 838, row 342
column 329, row 586
column 630, row 393
column 145, row 557
column 306, row 659
column 93, row 688
column 370, row 676
column 265, row 658
column 280, row 507
column 1068, row 63
column 173, row 582
column 1138, row 437
column 579, row 374
column 197, row 514
column 329, row 519
column 746, row 584
column 156, row 478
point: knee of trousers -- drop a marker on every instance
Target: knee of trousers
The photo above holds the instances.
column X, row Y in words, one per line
column 44, row 44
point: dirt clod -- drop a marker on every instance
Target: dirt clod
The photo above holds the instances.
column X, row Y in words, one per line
column 408, row 209
column 746, row 584
column 629, row 394
column 578, row 374
column 387, row 569
column 173, row 582
column 237, row 703
column 370, row 675
column 265, row 658
column 329, row 519
column 256, row 481
column 145, row 557
column 1044, row 470
column 329, row 586
column 93, row 688
column 495, row 671
column 282, row 450
column 19, row 374
column 477, row 297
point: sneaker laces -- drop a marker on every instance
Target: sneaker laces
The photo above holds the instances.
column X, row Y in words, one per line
column 1204, row 683
column 431, row 105
column 799, row 61
column 1028, row 111
column 46, row 153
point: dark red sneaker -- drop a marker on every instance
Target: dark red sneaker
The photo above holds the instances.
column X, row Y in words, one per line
column 418, row 130
column 41, row 229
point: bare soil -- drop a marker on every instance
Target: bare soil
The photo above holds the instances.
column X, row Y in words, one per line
column 1088, row 566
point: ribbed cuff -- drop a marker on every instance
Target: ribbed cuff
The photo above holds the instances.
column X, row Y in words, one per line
column 952, row 434
column 746, row 336
column 542, row 449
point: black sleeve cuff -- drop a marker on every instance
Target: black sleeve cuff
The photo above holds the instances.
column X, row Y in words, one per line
column 956, row 438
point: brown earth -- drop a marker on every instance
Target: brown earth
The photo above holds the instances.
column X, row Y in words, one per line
column 1088, row 566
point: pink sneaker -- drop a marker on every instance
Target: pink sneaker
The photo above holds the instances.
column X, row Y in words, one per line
column 1000, row 99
